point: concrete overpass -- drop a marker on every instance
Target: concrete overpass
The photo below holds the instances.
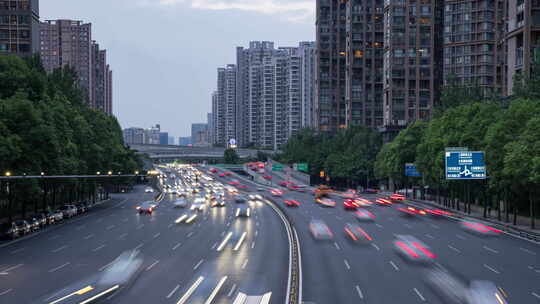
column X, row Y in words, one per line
column 171, row 152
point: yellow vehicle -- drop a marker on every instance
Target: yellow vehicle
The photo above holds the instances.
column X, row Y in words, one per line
column 322, row 191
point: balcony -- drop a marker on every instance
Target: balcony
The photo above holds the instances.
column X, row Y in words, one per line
column 519, row 57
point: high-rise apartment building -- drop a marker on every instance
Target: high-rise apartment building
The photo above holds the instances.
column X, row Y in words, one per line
column 473, row 40
column 219, row 108
column 199, row 134
column 230, row 103
column 412, row 59
column 308, row 58
column 210, row 123
column 102, row 80
column 133, row 136
column 19, row 27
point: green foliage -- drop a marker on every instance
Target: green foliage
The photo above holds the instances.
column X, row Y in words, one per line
column 45, row 124
column 230, row 156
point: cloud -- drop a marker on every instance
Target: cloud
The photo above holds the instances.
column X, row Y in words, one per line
column 297, row 11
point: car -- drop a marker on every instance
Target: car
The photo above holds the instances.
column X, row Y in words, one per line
column 267, row 177
column 283, row 183
column 243, row 187
column 222, row 175
column 325, row 202
column 383, row 202
column 34, row 223
column 260, row 189
column 10, row 230
column 68, row 211
column 81, row 208
column 350, row 193
column 411, row 211
column 362, row 202
column 217, row 203
column 58, row 216
column 447, row 286
column 23, row 227
column 319, row 230
column 479, row 228
column 299, row 188
column 228, row 173
column 213, row 170
column 438, row 212
column 371, row 191
column 50, row 218
column 234, row 182
column 413, row 249
column 356, row 233
column 484, row 292
column 292, row 203
column 350, row 204
column 243, row 211
column 42, row 219
column 148, row 190
column 240, row 200
column 396, row 197
column 276, row 192
column 180, row 203
column 364, row 215
column 146, row 208
column 197, row 206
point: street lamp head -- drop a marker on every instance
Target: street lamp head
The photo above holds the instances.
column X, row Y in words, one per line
column 8, row 173
column 136, row 172
column 42, row 173
column 98, row 173
column 110, row 172
column 119, row 173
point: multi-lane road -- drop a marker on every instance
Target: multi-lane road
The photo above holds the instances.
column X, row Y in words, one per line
column 198, row 263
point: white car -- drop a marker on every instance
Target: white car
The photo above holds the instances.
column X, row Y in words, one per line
column 180, row 203
column 148, row 190
column 68, row 210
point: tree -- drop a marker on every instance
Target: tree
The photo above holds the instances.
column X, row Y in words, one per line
column 230, row 156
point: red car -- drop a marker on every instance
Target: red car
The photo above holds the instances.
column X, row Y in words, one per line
column 222, row 175
column 276, row 192
column 350, row 204
column 268, row 177
column 228, row 173
column 438, row 212
column 292, row 203
column 383, row 202
column 213, row 170
column 234, row 183
column 243, row 187
column 412, row 211
column 397, row 197
column 283, row 183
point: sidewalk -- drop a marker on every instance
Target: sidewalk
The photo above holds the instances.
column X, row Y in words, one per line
column 477, row 212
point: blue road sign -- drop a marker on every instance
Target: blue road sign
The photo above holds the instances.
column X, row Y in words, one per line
column 410, row 170
column 465, row 165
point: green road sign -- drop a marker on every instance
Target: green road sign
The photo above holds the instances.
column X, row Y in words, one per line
column 277, row 167
column 302, row 167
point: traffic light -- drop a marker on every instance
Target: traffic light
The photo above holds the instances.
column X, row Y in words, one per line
column 321, row 174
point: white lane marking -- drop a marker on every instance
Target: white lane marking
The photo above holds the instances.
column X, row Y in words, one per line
column 435, row 226
column 256, row 232
column 59, row 249
column 152, row 265
column 198, row 264
column 244, row 264
column 176, row 246
column 378, row 225
column 490, row 249
column 224, row 242
column 17, row 250
column 214, row 246
column 491, row 268
column 460, row 237
column 257, row 223
column 58, row 268
column 376, row 247
column 98, row 248
column 533, row 293
column 454, row 248
column 188, row 293
column 228, row 224
column 231, row 291
column 12, row 268
column 430, row 236
column 394, row 265
column 89, row 236
column 337, row 246
column 252, row 245
column 157, row 234
column 223, row 233
column 359, row 291
column 527, row 251
column 216, row 290
column 170, row 225
column 347, row 264
column 240, row 241
column 122, row 236
column 419, row 294
column 140, row 226
column 9, row 290
column 173, row 291
column 190, row 234
column 101, row 294
column 139, row 246
column 111, row 227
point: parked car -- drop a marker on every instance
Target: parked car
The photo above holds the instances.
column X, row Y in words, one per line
column 34, row 224
column 42, row 218
column 23, row 226
column 50, row 218
column 81, row 208
column 68, row 210
column 9, row 231
column 58, row 216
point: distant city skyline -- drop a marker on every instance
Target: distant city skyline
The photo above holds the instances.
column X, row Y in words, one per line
column 172, row 83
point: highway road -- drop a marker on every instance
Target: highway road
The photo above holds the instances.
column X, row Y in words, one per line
column 180, row 262
column 343, row 271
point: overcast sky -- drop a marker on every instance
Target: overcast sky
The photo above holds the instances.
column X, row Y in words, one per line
column 164, row 53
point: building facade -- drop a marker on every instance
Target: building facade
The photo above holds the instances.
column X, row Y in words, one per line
column 199, row 134
column 133, row 136
column 19, row 27
column 163, row 138
column 102, row 80
column 307, row 52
